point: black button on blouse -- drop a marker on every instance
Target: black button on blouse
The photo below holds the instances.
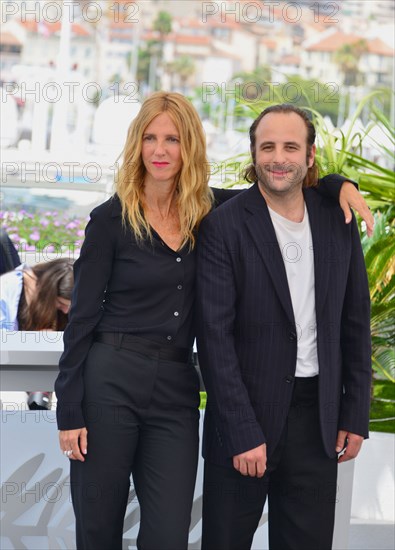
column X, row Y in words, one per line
column 143, row 295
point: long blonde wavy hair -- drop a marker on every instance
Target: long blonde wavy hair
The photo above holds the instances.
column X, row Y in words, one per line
column 194, row 197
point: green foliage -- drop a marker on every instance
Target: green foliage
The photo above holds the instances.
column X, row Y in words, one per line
column 379, row 252
column 342, row 152
column 347, row 58
column 163, row 23
column 383, row 407
column 323, row 97
column 150, row 56
column 184, row 67
column 144, row 59
column 252, row 84
column 255, row 89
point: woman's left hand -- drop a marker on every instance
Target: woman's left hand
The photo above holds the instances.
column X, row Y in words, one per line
column 74, row 443
column 350, row 197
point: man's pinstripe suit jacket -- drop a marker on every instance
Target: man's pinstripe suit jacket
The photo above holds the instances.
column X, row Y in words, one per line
column 247, row 338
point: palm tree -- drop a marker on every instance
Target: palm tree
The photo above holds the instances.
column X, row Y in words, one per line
column 145, row 60
column 347, row 57
column 163, row 24
column 147, row 63
column 183, row 67
column 379, row 252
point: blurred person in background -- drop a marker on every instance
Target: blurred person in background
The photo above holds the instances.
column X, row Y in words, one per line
column 37, row 298
column 9, row 257
column 128, row 392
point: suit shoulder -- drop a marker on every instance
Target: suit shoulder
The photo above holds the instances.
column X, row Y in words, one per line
column 226, row 217
column 233, row 203
column 108, row 209
column 223, row 194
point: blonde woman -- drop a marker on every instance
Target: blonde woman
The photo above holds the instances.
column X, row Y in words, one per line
column 128, row 393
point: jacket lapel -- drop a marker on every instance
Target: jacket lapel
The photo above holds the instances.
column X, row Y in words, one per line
column 323, row 246
column 260, row 227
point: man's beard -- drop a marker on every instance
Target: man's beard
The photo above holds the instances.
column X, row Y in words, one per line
column 292, row 179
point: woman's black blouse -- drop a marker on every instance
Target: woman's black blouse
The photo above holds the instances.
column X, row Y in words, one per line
column 120, row 286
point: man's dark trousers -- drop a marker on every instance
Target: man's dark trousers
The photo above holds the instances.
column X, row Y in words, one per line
column 300, row 482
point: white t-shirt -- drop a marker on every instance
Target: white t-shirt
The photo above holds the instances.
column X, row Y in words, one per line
column 296, row 246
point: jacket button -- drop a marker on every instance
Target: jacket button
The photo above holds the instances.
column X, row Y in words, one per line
column 292, row 336
column 289, row 379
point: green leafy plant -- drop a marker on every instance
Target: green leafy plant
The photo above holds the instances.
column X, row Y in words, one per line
column 382, row 412
column 379, row 252
column 342, row 152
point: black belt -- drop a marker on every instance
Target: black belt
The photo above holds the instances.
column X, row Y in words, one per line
column 144, row 346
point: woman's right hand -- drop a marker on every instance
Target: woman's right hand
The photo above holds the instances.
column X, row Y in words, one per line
column 75, row 441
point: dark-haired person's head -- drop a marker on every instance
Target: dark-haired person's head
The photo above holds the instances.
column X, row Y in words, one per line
column 50, row 305
column 282, row 144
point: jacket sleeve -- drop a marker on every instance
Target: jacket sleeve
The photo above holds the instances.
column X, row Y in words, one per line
column 330, row 185
column 92, row 271
column 227, row 396
column 356, row 344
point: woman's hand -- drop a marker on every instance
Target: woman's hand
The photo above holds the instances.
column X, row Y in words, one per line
column 350, row 197
column 75, row 441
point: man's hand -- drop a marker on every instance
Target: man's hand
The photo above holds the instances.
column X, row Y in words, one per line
column 350, row 443
column 251, row 463
column 76, row 441
column 350, row 197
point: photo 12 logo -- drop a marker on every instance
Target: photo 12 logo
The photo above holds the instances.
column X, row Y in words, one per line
column 53, row 12
column 89, row 92
column 270, row 11
column 288, row 92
